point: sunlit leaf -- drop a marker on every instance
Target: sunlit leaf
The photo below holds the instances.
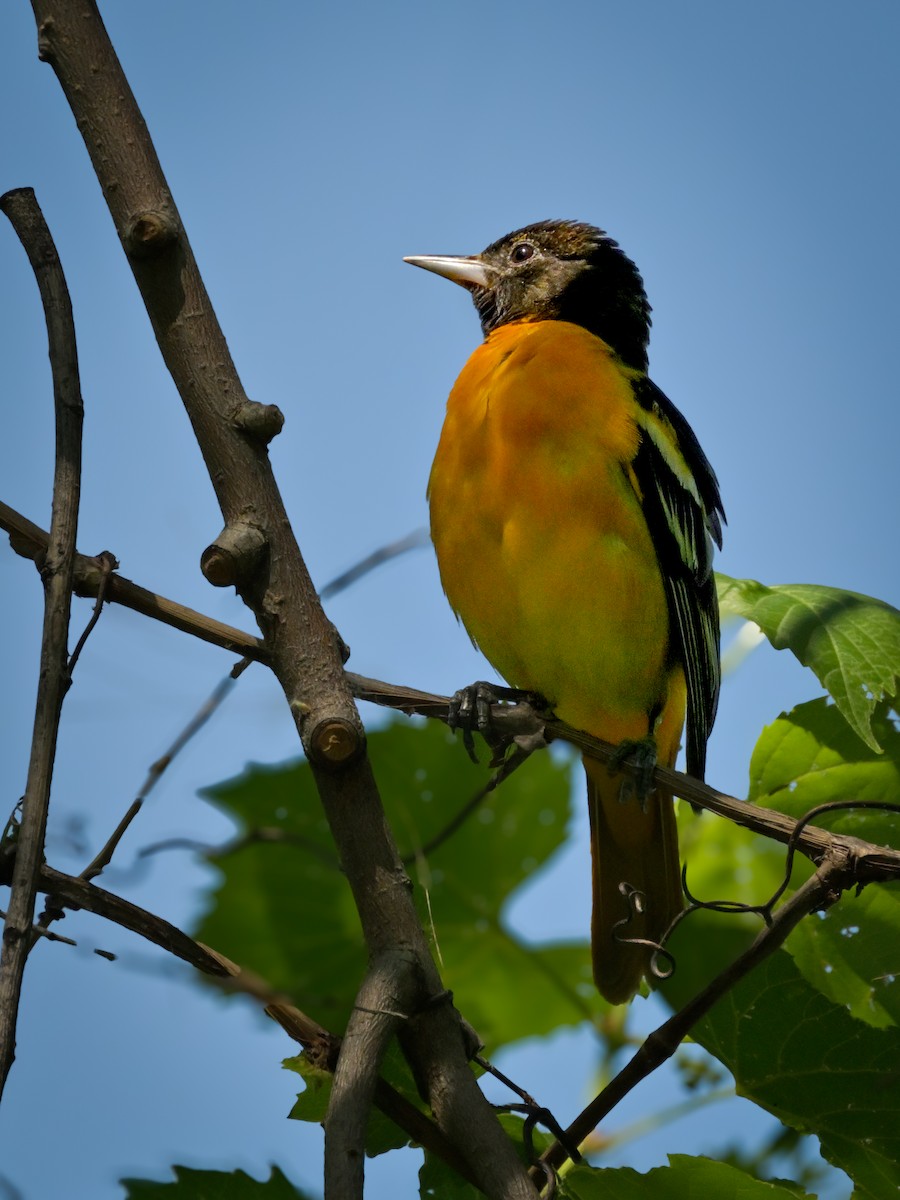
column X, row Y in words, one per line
column 811, row 756
column 808, row 757
column 685, row 1178
column 850, row 641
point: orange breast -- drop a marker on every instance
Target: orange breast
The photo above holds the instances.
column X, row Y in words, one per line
column 541, row 540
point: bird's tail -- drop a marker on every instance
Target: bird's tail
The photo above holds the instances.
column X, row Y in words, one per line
column 636, row 847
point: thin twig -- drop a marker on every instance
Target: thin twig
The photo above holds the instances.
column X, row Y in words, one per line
column 266, row 835
column 68, row 891
column 44, row 932
column 108, row 564
column 412, row 541
column 102, row 859
column 503, row 772
column 23, row 212
column 536, row 1114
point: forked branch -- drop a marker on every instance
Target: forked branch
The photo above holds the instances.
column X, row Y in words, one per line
column 69, row 891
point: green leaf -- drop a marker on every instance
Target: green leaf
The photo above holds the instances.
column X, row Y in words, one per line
column 685, row 1178
column 214, row 1185
column 811, row 756
column 284, row 910
column 851, row 642
column 312, row 1102
column 816, row 1068
column 850, row 954
column 808, row 757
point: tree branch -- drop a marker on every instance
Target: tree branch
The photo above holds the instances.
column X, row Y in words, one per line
column 509, row 721
column 69, row 891
column 257, row 552
column 263, row 559
column 23, row 212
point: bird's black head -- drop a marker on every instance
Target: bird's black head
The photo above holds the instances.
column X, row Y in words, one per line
column 557, row 271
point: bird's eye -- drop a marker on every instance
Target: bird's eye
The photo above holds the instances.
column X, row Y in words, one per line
column 522, row 252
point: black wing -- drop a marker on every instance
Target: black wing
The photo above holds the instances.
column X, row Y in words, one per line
column 680, row 497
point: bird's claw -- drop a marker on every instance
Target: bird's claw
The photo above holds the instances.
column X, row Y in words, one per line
column 639, row 753
column 470, row 712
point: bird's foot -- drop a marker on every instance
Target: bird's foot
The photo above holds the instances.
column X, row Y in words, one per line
column 639, row 753
column 470, row 712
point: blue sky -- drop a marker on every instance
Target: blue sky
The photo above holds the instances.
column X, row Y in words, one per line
column 743, row 155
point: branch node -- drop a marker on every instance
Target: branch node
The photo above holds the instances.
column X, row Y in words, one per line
column 335, row 742
column 234, row 556
column 91, row 570
column 45, row 33
column 259, row 422
column 149, row 233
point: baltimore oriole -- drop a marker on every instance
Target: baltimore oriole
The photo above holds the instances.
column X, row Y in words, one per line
column 573, row 513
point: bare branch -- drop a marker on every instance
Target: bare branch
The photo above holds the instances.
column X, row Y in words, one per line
column 68, row 891
column 102, row 859
column 23, row 212
column 412, row 541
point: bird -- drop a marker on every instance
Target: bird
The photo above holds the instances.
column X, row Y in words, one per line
column 573, row 515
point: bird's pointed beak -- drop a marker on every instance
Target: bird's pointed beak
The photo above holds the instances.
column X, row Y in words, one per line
column 468, row 272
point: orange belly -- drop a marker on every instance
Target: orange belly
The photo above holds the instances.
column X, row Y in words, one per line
column 541, row 541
